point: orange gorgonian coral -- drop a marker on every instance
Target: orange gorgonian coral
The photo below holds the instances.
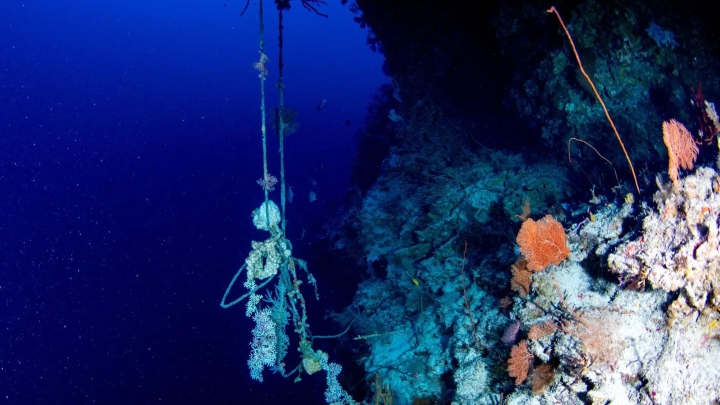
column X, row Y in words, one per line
column 682, row 150
column 543, row 242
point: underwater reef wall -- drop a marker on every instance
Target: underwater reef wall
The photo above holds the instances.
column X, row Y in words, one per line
column 630, row 316
column 454, row 310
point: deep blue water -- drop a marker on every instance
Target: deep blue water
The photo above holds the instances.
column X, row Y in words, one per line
column 129, row 151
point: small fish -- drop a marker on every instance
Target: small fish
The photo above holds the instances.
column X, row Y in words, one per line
column 313, row 182
column 290, row 194
column 302, row 235
column 322, row 104
column 347, row 123
column 321, row 166
column 312, row 196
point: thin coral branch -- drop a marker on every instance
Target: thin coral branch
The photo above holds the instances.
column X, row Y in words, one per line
column 592, row 85
column 596, row 151
column 308, row 4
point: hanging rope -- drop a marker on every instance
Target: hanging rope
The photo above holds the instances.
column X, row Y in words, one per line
column 273, row 257
column 280, row 119
column 261, row 66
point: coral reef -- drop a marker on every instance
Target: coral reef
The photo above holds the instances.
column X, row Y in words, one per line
column 678, row 248
column 593, row 332
column 469, row 300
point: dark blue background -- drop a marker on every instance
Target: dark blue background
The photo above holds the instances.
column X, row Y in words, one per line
column 129, row 151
